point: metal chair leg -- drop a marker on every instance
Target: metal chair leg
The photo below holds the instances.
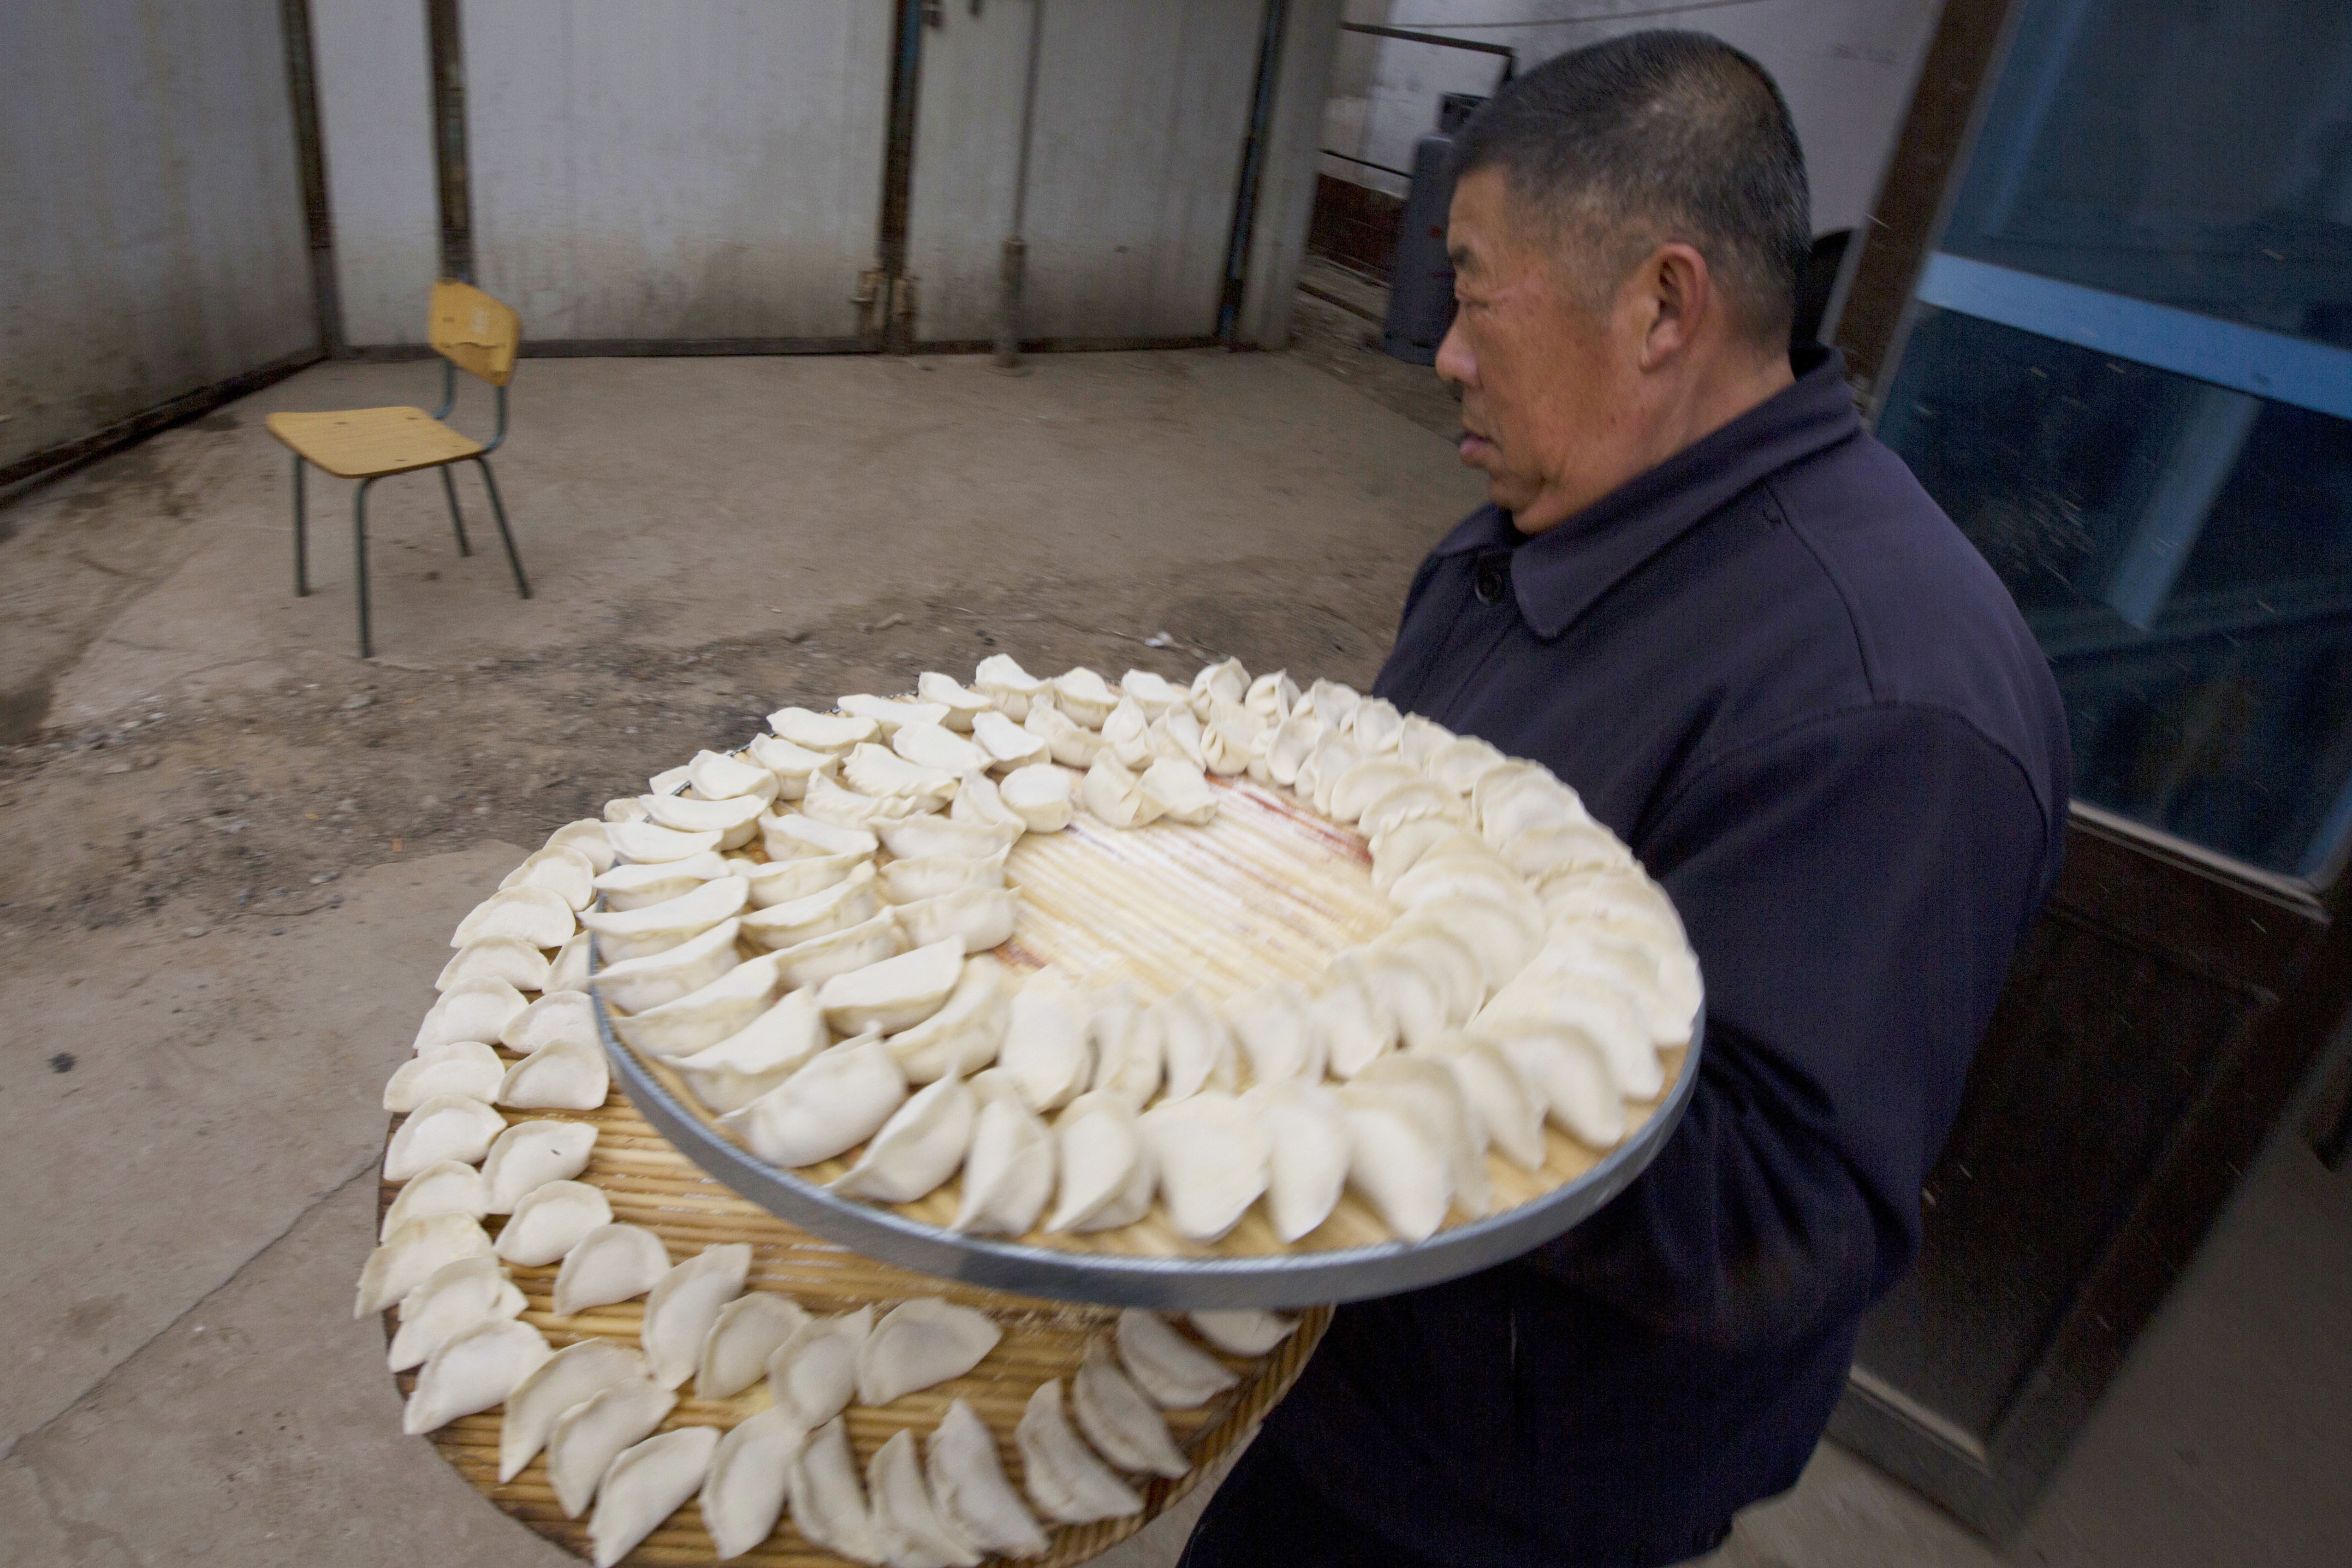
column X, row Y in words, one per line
column 359, row 544
column 457, row 518
column 499, row 511
column 301, row 546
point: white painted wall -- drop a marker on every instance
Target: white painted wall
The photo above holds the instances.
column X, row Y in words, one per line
column 375, row 113
column 1846, row 66
column 1142, row 109
column 1286, row 197
column 148, row 182
column 690, row 169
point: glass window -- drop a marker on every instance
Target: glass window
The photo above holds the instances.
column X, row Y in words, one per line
column 2182, row 549
column 2195, row 153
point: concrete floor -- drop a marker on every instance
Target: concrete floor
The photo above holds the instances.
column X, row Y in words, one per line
column 230, row 853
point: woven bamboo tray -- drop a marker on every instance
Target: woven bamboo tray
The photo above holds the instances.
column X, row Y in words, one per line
column 1267, row 890
column 651, row 1184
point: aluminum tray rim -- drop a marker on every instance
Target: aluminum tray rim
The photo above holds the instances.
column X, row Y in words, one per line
column 1167, row 1284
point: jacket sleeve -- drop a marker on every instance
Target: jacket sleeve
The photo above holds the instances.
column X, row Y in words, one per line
column 1855, row 888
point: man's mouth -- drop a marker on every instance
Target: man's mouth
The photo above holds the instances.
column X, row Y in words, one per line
column 1473, row 446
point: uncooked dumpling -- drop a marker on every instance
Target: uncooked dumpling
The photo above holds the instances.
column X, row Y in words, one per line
column 891, row 714
column 1008, row 1176
column 1120, row 1420
column 977, row 918
column 1357, row 1025
column 896, row 994
column 611, row 1263
column 828, row 732
column 1231, row 738
column 750, row 1473
column 969, row 1489
column 557, row 1015
column 818, row 960
column 412, row 1255
column 509, row 959
column 929, row 875
column 1431, row 1092
column 769, row 1049
column 624, row 808
column 1046, row 1048
column 977, row 802
column 1115, row 795
column 649, row 843
column 1272, row 697
column 839, row 1101
column 1127, row 1047
column 1197, row 1049
column 828, row 1502
column 1041, row 794
column 1307, row 1152
column 963, row 707
column 563, row 1076
column 1414, row 994
column 550, row 1221
column 1445, row 959
column 469, row 1010
column 1165, row 1365
column 828, row 802
column 908, row 1531
column 1083, row 696
column 1279, row 1036
column 1365, row 783
column 1069, row 742
column 919, row 1343
column 1507, row 1111
column 1290, row 745
column 1064, row 1478
column 1568, row 1072
column 746, row 1332
column 781, row 881
column 1176, row 787
column 933, row 746
column 1595, row 1003
column 536, row 915
column 643, row 983
column 1403, row 1168
column 533, row 1153
column 447, row 1127
column 568, row 969
column 1106, row 1174
column 720, row 775
column 793, row 837
column 1378, row 726
column 704, row 1017
column 681, row 1309
column 657, row 928
column 456, row 1298
column 791, row 765
column 638, row 887
column 878, row 771
column 1225, row 683
column 1243, row 1330
column 1407, row 802
column 964, row 1034
column 1005, row 744
column 850, row 901
column 447, row 1186
column 1209, row 1155
column 471, row 1372
column 735, row 821
column 1406, row 845
column 918, row 1149
column 812, row 1375
column 645, row 1485
column 1177, row 736
column 920, row 837
column 466, row 1068
column 587, row 836
column 590, row 1436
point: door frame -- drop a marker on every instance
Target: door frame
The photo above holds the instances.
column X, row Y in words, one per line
column 2151, row 891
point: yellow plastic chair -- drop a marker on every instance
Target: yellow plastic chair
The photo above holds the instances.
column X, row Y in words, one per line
column 471, row 331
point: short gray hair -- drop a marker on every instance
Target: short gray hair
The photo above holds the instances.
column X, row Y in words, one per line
column 1655, row 137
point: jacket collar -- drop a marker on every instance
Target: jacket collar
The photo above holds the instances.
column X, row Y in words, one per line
column 1563, row 572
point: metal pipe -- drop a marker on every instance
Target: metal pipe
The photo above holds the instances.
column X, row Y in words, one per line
column 1012, row 263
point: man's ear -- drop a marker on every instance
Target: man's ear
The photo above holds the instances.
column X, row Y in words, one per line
column 1678, row 295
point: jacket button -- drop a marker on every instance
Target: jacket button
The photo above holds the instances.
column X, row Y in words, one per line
column 1493, row 577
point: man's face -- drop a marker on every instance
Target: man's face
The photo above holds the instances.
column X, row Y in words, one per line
column 1550, row 387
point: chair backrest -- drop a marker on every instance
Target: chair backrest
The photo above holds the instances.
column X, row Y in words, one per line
column 473, row 332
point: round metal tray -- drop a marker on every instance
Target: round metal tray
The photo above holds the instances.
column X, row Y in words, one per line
column 1282, row 1280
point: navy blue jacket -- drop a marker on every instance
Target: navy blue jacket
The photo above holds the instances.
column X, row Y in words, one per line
column 1777, row 670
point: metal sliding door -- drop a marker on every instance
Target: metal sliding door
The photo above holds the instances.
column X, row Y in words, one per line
column 658, row 176
column 1142, row 114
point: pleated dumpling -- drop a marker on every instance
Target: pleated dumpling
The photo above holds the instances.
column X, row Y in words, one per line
column 1279, row 1035
column 927, row 876
column 587, row 836
column 838, row 1101
column 1243, row 1330
column 563, row 1075
column 1047, row 1049
column 851, row 900
column 1209, row 1155
column 915, row 1151
column 935, row 746
column 918, row 1343
column 516, row 962
column 1064, row 1479
column 539, row 916
column 639, row 984
column 1197, row 1048
column 657, row 928
column 1176, row 1373
column 792, row 836
column 533, row 1153
column 830, row 733
column 1041, row 794
column 735, row 821
column 891, row 714
column 473, row 1371
column 896, row 994
column 704, row 1018
column 1272, row 697
column 818, row 960
column 1568, row 1073
column 464, row 1067
column 446, row 1187
column 412, row 1253
column 769, row 1049
column 1115, row 796
column 1106, row 1171
column 791, row 765
column 812, row 1375
column 1508, row 1111
column 456, row 1298
column 1403, row 1169
column 577, row 1372
column 908, row 1525
column 446, row 1126
column 557, row 1015
column 970, row 1489
column 964, row 1034
column 918, row 836
column 828, row 1502
column 645, row 1485
column 1120, row 1420
column 1008, row 1175
column 1227, row 681
column 648, row 843
column 1307, row 1152
column 469, row 1010
column 782, row 881
column 590, row 1436
column 680, row 1310
column 1008, row 745
column 963, row 707
column 550, row 1221
column 1179, row 791
column 978, row 918
column 750, row 1471
column 1067, row 742
column 1130, row 1060
column 611, row 1263
column 880, row 771
column 637, row 886
column 746, row 1332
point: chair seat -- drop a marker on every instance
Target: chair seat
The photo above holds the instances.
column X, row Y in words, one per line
column 368, row 443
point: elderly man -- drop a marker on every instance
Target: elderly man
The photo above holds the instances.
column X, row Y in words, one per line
column 1707, row 599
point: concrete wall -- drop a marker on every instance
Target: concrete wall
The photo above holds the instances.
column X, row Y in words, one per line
column 1846, row 67
column 156, row 242
column 375, row 114
column 1142, row 109
column 691, row 169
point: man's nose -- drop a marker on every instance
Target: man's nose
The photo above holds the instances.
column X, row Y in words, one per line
column 1454, row 360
